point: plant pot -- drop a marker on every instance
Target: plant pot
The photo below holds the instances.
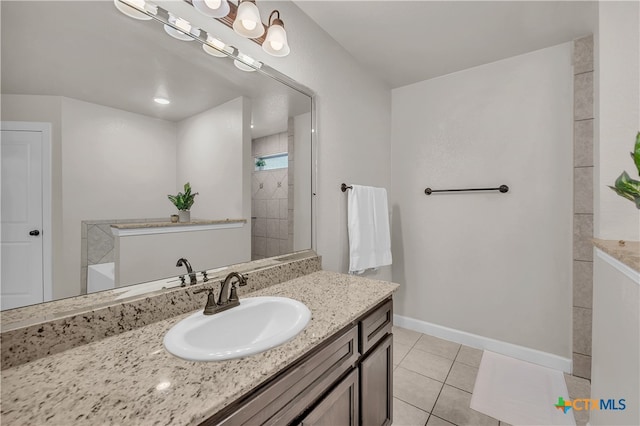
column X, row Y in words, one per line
column 184, row 216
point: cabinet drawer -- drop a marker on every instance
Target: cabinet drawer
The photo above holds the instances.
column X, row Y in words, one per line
column 338, row 407
column 298, row 388
column 376, row 326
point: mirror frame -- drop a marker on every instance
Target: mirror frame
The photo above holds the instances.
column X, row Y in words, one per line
column 71, row 305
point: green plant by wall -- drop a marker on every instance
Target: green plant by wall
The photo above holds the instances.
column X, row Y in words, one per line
column 183, row 201
column 260, row 163
column 627, row 187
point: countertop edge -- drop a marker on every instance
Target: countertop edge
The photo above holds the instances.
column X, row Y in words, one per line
column 627, row 252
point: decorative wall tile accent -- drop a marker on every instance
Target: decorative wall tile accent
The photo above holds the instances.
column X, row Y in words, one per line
column 61, row 331
column 583, row 143
column 582, row 205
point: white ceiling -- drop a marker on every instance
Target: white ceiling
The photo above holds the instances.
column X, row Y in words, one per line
column 404, row 42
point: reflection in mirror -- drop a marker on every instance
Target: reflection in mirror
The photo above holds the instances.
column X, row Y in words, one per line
column 89, row 158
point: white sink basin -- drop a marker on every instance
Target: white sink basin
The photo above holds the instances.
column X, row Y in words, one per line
column 258, row 324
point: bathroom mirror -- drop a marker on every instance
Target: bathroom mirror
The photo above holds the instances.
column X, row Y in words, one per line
column 92, row 74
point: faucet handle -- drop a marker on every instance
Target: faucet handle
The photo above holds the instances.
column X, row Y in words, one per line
column 182, row 281
column 211, row 307
column 243, row 280
column 205, row 278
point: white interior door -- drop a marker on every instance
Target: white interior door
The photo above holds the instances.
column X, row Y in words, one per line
column 21, row 212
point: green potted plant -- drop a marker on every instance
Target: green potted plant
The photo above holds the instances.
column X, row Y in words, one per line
column 183, row 202
column 625, row 186
column 260, row 163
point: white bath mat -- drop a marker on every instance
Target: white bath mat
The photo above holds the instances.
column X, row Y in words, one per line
column 519, row 393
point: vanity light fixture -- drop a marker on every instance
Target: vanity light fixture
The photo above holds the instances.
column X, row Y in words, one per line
column 246, row 63
column 132, row 8
column 242, row 66
column 214, row 47
column 183, row 31
column 248, row 22
column 162, row 101
column 276, row 42
column 212, row 8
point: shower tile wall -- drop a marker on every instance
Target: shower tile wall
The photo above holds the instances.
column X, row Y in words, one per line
column 582, row 205
column 270, row 216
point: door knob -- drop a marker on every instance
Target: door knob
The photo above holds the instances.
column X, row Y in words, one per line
column 34, row 233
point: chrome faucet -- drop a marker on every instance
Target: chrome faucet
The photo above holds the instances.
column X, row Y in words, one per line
column 192, row 275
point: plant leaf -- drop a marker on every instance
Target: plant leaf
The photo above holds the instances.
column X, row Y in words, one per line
column 626, row 184
column 622, row 193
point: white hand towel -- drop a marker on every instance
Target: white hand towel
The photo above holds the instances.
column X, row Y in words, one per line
column 368, row 222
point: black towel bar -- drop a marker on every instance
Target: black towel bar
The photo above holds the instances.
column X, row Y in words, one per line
column 501, row 188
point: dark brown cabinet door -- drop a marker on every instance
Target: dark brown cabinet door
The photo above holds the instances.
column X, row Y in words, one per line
column 376, row 391
column 339, row 407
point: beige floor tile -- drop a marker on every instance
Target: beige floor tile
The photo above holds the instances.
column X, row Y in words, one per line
column 437, row 421
column 399, row 352
column 440, row 347
column 415, row 389
column 469, row 356
column 407, row 415
column 462, row 376
column 404, row 336
column 453, row 406
column 427, row 364
column 578, row 387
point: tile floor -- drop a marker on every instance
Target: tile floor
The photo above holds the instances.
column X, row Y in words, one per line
column 433, row 381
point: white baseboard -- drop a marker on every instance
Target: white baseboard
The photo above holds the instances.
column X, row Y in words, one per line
column 509, row 349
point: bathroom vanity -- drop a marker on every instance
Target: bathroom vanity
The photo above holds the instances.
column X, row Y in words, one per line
column 338, row 370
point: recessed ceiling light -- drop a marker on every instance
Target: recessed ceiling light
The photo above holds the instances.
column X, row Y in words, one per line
column 162, row 101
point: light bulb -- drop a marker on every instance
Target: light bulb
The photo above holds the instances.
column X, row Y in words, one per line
column 247, row 22
column 250, row 25
column 213, row 4
column 276, row 45
column 212, row 8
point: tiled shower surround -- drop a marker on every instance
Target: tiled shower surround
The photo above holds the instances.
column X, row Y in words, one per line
column 272, row 199
column 582, row 205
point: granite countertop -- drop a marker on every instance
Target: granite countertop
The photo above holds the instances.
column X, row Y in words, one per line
column 131, row 379
column 627, row 253
column 167, row 224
